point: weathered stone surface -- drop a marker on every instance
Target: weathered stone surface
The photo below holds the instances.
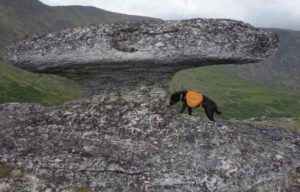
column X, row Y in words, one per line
column 131, row 143
column 137, row 52
column 134, row 141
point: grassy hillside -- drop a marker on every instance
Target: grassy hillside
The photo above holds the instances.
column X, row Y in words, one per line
column 19, row 18
column 282, row 71
column 236, row 97
column 17, row 85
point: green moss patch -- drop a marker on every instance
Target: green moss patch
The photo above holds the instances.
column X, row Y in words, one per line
column 6, row 171
column 82, row 189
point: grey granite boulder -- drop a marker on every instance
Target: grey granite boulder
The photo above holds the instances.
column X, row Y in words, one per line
column 143, row 51
column 133, row 144
column 176, row 43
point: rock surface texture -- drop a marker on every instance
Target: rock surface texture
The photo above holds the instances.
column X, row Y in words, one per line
column 133, row 141
column 133, row 144
column 136, row 52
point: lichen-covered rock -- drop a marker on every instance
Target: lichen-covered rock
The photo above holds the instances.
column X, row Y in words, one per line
column 137, row 52
column 124, row 143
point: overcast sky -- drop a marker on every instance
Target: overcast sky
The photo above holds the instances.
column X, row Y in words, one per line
column 260, row 13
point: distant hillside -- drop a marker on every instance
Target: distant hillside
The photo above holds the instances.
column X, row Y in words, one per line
column 282, row 71
column 17, row 85
column 21, row 17
column 237, row 98
column 269, row 88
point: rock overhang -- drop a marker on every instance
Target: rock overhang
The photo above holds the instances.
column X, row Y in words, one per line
column 182, row 44
column 126, row 55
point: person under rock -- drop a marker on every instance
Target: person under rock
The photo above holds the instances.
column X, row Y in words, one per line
column 194, row 99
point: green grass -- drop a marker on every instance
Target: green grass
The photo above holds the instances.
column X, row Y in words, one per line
column 237, row 98
column 17, row 85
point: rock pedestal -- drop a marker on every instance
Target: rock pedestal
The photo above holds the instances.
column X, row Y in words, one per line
column 134, row 53
column 131, row 142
